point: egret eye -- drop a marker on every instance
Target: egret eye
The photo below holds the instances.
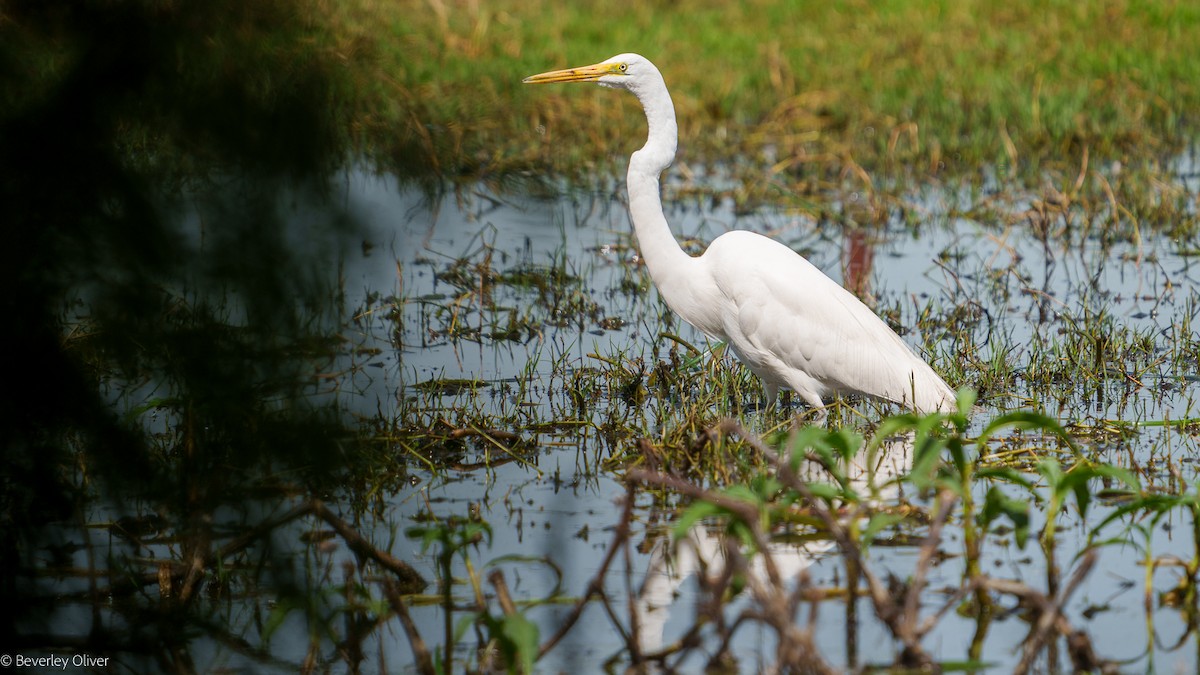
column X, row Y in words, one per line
column 624, row 67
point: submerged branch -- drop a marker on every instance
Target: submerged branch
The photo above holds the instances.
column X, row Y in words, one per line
column 420, row 650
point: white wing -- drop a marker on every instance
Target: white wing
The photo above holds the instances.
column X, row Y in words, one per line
column 796, row 327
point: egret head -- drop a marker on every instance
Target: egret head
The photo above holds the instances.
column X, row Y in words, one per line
column 623, row 71
column 637, row 75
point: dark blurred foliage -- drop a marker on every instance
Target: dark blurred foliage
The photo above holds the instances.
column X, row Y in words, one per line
column 116, row 117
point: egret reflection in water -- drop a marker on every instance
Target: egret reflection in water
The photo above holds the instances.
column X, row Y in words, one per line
column 706, row 555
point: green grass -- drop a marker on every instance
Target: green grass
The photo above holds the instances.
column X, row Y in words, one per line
column 904, row 87
column 790, row 101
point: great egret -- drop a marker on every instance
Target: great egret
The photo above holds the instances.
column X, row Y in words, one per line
column 788, row 322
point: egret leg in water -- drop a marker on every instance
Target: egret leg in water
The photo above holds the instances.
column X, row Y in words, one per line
column 786, row 320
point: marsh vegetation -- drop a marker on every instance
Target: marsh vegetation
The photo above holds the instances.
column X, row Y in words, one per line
column 341, row 369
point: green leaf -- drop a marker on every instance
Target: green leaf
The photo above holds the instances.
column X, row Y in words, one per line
column 465, row 623
column 927, row 457
column 1025, row 420
column 997, row 504
column 473, row 529
column 876, row 524
column 846, row 444
column 1122, row 474
column 763, row 487
column 276, row 618
column 966, row 400
column 521, row 634
column 743, row 493
column 1006, row 474
column 826, row 491
column 1083, row 495
column 1152, row 503
column 695, row 513
column 890, row 427
column 1052, row 472
column 427, row 535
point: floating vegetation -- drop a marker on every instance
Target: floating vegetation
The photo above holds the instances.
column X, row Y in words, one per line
column 1095, row 331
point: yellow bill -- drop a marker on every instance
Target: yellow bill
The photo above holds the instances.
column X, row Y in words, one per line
column 581, row 74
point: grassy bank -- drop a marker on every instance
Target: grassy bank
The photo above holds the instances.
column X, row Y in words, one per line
column 844, row 89
column 913, row 87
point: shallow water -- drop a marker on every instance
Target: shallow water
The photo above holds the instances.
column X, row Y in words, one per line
column 477, row 309
column 1031, row 290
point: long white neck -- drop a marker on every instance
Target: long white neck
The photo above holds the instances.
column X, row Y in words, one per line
column 667, row 262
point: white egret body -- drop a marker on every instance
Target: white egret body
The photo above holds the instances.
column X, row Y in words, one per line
column 786, row 320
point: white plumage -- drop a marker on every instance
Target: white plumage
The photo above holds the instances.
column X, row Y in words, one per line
column 787, row 321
